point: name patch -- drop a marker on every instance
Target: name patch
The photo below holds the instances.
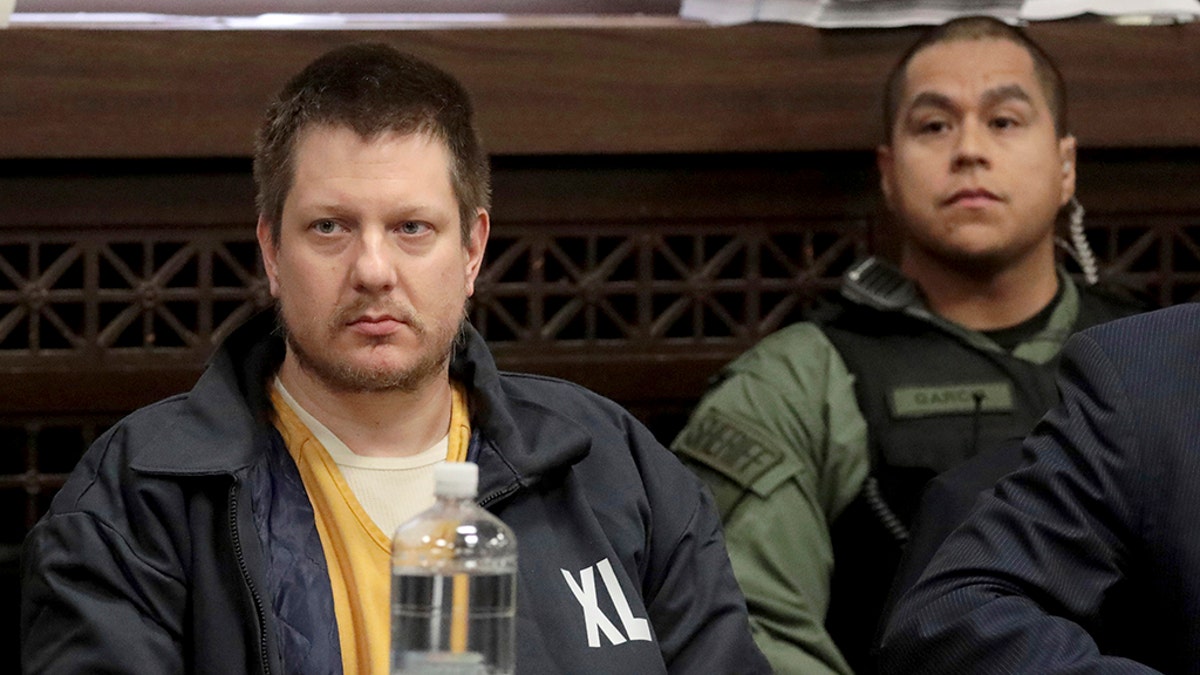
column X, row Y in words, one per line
column 719, row 443
column 952, row 399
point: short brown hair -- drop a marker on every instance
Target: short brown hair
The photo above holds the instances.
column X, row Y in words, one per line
column 978, row 28
column 372, row 89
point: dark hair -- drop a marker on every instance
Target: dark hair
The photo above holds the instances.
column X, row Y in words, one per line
column 372, row 89
column 979, row 28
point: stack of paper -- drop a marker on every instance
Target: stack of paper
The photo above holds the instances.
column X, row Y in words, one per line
column 891, row 13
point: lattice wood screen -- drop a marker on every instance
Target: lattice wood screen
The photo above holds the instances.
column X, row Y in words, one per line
column 80, row 301
column 97, row 320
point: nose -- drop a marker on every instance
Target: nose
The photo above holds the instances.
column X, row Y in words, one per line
column 971, row 150
column 374, row 267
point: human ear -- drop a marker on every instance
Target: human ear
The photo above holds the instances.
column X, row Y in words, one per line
column 267, row 245
column 476, row 244
column 885, row 161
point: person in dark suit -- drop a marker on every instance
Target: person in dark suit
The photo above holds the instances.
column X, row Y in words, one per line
column 1087, row 558
column 945, row 503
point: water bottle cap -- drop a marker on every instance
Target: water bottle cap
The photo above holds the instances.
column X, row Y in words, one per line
column 456, row 479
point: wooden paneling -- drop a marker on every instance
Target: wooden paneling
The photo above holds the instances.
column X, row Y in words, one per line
column 1136, row 200
column 92, row 206
column 681, row 88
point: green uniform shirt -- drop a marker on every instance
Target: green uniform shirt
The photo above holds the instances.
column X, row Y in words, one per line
column 783, row 445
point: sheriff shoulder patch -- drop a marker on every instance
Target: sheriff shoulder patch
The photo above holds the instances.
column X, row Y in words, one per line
column 719, row 443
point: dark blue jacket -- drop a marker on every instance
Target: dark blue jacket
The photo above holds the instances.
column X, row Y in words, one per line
column 1086, row 559
column 184, row 540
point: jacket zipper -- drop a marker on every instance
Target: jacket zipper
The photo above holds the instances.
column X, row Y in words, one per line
column 473, row 446
column 258, row 605
column 498, row 495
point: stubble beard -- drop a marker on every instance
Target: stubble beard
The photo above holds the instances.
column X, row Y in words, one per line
column 342, row 376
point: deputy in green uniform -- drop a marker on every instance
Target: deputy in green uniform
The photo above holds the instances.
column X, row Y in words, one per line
column 818, row 441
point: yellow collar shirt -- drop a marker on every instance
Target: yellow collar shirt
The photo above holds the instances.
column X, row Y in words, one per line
column 357, row 503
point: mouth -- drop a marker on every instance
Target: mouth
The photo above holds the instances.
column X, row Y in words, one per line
column 972, row 198
column 375, row 324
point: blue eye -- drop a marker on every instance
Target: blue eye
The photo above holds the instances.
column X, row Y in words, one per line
column 413, row 227
column 325, row 226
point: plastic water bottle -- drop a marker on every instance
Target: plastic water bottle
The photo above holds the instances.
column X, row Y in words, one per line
column 454, row 584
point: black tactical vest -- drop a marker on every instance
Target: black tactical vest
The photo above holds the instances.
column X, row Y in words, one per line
column 930, row 400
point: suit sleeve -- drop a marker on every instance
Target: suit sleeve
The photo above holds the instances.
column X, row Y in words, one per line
column 945, row 503
column 1020, row 587
column 782, row 445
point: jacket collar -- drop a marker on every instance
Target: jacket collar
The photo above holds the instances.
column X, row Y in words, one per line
column 517, row 437
column 225, row 421
column 878, row 285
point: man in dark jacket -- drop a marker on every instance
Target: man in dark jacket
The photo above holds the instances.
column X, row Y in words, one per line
column 1086, row 559
column 243, row 526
